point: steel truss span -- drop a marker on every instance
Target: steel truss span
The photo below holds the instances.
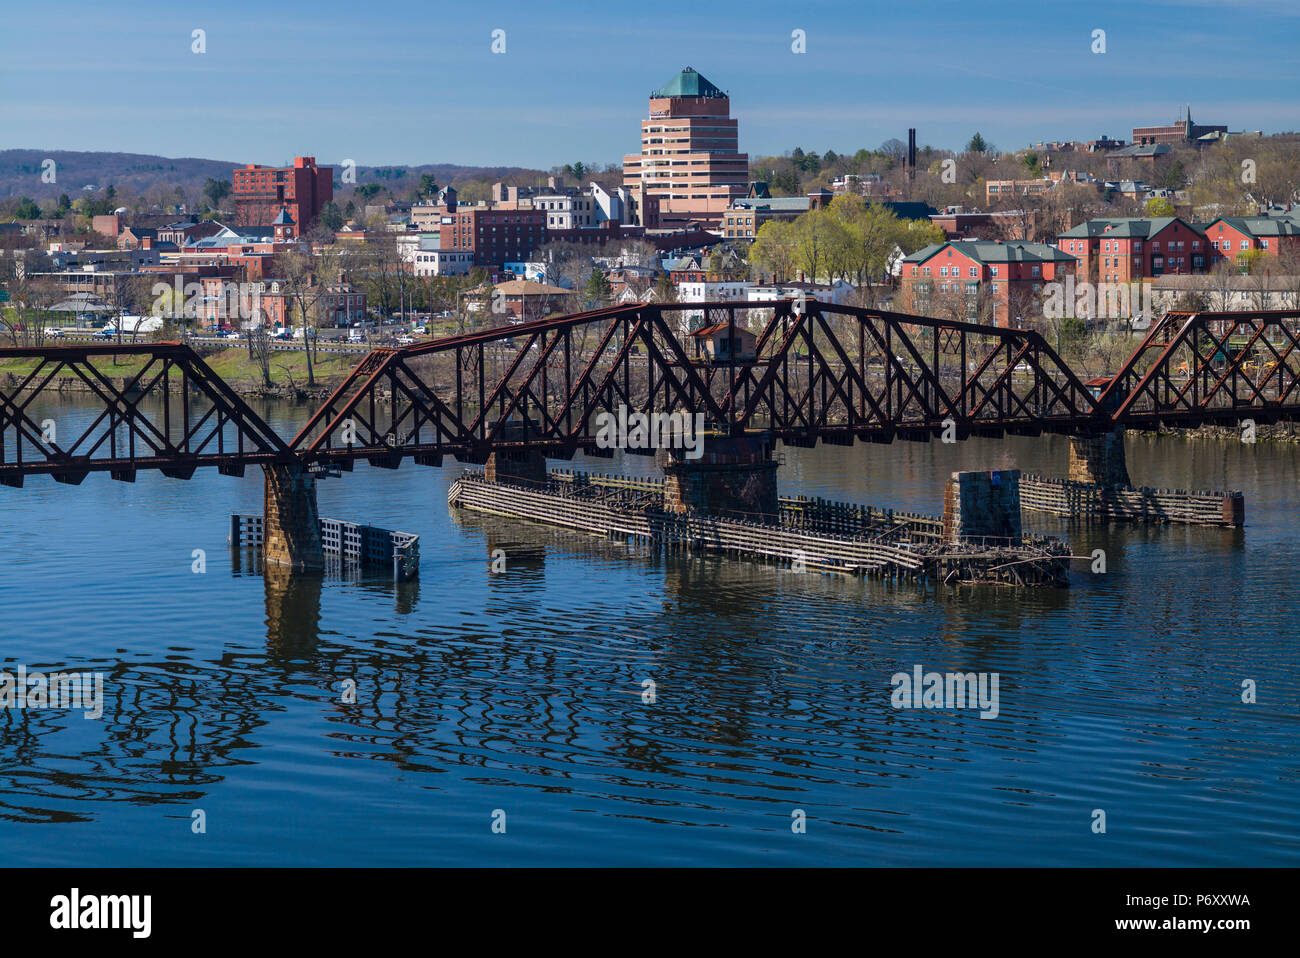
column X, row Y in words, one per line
column 174, row 414
column 804, row 373
column 831, row 373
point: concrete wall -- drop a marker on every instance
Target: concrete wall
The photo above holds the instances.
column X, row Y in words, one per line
column 528, row 467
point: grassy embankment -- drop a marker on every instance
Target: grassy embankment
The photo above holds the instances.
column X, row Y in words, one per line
column 288, row 367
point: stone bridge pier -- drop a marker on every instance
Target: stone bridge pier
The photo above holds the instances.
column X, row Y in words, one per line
column 729, row 475
column 524, row 466
column 1099, row 459
column 291, row 520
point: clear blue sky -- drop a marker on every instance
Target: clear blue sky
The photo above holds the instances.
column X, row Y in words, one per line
column 393, row 81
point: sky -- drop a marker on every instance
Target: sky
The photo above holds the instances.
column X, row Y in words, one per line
column 404, row 82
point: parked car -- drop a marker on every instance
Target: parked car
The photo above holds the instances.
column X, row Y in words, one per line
column 105, row 333
column 405, row 340
column 54, row 333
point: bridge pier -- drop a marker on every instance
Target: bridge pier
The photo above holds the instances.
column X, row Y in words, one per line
column 982, row 505
column 526, row 466
column 1099, row 459
column 291, row 530
column 732, row 475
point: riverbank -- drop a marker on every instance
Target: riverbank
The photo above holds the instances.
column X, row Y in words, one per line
column 1276, row 432
column 233, row 365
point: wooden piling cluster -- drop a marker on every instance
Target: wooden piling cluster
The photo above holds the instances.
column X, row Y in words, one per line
column 854, row 540
column 1086, row 500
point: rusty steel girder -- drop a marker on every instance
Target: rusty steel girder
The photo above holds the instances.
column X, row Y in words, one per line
column 174, row 415
column 799, row 372
column 1196, row 368
column 815, row 372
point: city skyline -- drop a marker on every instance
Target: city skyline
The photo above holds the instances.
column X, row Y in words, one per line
column 339, row 85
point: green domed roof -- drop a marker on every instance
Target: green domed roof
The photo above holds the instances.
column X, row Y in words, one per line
column 688, row 83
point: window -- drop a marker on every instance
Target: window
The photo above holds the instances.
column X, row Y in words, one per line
column 994, row 287
column 943, row 271
column 1245, row 244
column 1036, row 271
column 974, row 271
column 994, row 271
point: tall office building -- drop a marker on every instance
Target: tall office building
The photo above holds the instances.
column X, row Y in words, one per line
column 689, row 160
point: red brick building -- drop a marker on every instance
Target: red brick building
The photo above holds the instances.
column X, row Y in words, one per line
column 1235, row 237
column 1127, row 249
column 1178, row 132
column 259, row 192
column 495, row 236
column 980, row 280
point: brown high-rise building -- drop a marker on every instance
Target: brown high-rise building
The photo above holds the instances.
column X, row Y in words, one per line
column 303, row 189
column 689, row 159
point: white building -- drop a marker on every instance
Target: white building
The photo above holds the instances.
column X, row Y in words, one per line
column 566, row 211
column 428, row 258
column 704, row 292
column 836, row 293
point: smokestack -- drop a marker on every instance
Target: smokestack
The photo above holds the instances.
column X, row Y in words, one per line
column 911, row 149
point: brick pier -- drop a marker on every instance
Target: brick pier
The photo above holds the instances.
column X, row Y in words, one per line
column 292, row 520
column 735, row 475
column 1099, row 459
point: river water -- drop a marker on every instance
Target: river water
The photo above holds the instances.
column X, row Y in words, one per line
column 518, row 697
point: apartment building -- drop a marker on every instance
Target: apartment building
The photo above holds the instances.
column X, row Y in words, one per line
column 260, row 192
column 1130, row 248
column 493, row 236
column 979, row 280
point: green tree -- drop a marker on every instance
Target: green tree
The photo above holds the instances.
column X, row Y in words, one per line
column 977, row 144
column 331, row 217
column 665, row 290
column 786, row 183
column 27, row 209
column 773, row 250
column 598, row 289
column 1159, row 206
column 214, row 191
column 1175, row 177
column 428, row 185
